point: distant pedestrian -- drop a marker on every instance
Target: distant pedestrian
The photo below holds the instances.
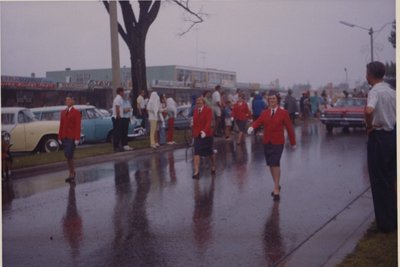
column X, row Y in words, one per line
column 274, row 119
column 126, row 119
column 380, row 115
column 153, row 109
column 141, row 108
column 291, row 106
column 228, row 120
column 117, row 119
column 172, row 112
column 241, row 114
column 203, row 136
column 258, row 106
column 69, row 134
column 216, row 106
column 163, row 119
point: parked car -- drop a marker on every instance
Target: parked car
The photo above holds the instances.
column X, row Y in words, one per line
column 95, row 126
column 347, row 112
column 27, row 133
column 183, row 118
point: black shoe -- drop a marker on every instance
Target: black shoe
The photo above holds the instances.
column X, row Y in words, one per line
column 70, row 180
column 196, row 176
column 277, row 197
column 272, row 193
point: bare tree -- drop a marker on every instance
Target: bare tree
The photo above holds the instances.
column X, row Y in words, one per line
column 135, row 33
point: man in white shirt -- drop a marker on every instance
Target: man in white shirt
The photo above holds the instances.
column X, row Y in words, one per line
column 216, row 106
column 117, row 119
column 380, row 117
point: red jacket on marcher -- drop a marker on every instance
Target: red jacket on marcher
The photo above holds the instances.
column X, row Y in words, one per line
column 202, row 121
column 273, row 127
column 241, row 111
column 70, row 124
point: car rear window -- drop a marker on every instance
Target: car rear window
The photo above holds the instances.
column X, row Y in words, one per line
column 7, row 118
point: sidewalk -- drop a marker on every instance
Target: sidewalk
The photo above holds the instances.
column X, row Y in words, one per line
column 330, row 244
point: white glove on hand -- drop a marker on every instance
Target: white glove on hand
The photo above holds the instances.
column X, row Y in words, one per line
column 202, row 134
column 76, row 142
column 250, row 130
column 59, row 141
column 232, row 119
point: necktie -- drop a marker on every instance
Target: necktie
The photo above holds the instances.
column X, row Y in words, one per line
column 199, row 111
column 273, row 113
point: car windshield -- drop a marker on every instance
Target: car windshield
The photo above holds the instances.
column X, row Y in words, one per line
column 7, row 118
column 351, row 102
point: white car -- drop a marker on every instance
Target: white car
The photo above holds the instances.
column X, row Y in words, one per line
column 27, row 133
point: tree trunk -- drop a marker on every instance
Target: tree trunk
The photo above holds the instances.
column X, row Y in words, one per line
column 138, row 69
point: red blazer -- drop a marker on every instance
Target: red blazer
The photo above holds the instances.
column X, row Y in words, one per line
column 70, row 125
column 241, row 111
column 273, row 127
column 202, row 122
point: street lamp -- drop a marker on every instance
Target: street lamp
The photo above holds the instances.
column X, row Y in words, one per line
column 370, row 32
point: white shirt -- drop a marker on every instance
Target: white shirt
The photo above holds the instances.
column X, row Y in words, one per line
column 141, row 103
column 126, row 104
column 117, row 102
column 382, row 99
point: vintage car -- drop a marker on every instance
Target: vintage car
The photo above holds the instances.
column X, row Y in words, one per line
column 347, row 112
column 95, row 126
column 27, row 133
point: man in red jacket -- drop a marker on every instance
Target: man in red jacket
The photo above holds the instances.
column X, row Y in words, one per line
column 69, row 134
column 203, row 136
column 274, row 120
column 241, row 113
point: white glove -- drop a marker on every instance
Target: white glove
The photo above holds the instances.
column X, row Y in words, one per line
column 294, row 147
column 232, row 119
column 202, row 134
column 59, row 141
column 76, row 142
column 250, row 130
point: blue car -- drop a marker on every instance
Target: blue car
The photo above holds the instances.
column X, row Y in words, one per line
column 95, row 126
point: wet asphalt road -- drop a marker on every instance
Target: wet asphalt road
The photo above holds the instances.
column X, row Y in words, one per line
column 148, row 211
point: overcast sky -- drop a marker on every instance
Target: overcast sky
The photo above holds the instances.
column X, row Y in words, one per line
column 296, row 41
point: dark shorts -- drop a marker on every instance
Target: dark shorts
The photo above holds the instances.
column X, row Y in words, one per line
column 241, row 125
column 69, row 148
column 273, row 154
column 203, row 147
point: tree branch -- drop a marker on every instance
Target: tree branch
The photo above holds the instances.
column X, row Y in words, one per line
column 120, row 29
column 197, row 16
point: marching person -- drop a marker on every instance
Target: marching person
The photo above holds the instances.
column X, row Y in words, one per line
column 380, row 116
column 69, row 134
column 241, row 113
column 274, row 120
column 203, row 136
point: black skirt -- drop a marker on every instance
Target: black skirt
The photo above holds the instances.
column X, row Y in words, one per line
column 203, row 147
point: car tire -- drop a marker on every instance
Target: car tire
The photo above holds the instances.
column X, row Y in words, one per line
column 329, row 128
column 50, row 144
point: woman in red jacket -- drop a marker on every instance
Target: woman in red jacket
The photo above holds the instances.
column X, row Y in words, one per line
column 274, row 119
column 241, row 113
column 203, row 136
column 69, row 134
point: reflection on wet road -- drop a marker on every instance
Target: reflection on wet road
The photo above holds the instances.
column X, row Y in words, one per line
column 148, row 211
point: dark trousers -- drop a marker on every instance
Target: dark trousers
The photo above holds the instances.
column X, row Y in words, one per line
column 383, row 177
column 124, row 131
column 117, row 131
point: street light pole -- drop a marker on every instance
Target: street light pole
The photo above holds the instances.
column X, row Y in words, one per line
column 370, row 32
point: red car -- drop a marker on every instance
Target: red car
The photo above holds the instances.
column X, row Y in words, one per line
column 347, row 112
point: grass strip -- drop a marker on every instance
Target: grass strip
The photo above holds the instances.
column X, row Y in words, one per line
column 375, row 249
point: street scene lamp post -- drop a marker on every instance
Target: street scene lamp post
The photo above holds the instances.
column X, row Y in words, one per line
column 370, row 32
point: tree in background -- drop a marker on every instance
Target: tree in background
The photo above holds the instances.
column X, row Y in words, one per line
column 135, row 32
column 392, row 37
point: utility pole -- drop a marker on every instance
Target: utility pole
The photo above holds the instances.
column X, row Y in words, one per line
column 116, row 74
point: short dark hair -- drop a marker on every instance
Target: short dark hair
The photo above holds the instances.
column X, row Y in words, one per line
column 376, row 69
column 217, row 87
column 119, row 90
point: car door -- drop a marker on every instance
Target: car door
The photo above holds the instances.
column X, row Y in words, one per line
column 102, row 125
column 88, row 127
column 19, row 133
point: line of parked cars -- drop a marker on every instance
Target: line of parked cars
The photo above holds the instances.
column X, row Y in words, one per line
column 36, row 129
